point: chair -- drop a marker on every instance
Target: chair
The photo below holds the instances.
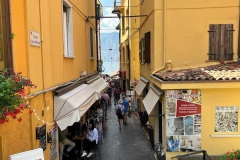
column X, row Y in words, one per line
column 96, row 151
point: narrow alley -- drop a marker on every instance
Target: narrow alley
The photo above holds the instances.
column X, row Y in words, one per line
column 126, row 143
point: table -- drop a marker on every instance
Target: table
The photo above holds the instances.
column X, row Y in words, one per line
column 79, row 138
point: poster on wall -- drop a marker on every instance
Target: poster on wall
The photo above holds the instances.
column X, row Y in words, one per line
column 53, row 147
column 226, row 119
column 183, row 120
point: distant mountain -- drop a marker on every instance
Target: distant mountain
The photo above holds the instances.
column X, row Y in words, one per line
column 109, row 41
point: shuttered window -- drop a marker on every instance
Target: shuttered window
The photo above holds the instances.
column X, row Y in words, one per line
column 140, row 51
column 128, row 54
column 220, row 42
column 147, row 46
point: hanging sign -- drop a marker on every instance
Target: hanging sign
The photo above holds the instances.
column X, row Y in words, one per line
column 42, row 134
column 183, row 120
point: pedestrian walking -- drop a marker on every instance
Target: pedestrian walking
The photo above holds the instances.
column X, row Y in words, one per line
column 109, row 92
column 120, row 112
column 106, row 99
column 116, row 95
column 125, row 103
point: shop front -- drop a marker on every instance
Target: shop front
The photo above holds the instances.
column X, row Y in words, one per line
column 201, row 114
column 74, row 109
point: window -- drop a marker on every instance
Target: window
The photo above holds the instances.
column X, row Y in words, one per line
column 140, row 50
column 91, row 43
column 147, row 48
column 123, row 55
column 220, row 42
column 67, row 30
column 5, row 42
column 128, row 54
column 123, row 25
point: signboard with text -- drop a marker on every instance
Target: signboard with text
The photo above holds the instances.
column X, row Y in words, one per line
column 183, row 120
column 35, row 39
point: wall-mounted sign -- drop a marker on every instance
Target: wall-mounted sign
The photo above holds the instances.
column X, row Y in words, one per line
column 53, row 147
column 183, row 116
column 35, row 39
column 42, row 133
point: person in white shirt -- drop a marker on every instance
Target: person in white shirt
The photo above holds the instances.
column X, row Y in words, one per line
column 91, row 139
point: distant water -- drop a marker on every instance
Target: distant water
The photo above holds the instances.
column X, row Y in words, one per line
column 110, row 67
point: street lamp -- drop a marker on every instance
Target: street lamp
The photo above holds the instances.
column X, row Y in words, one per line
column 116, row 11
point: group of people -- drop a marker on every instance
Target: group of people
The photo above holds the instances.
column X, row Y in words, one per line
column 126, row 105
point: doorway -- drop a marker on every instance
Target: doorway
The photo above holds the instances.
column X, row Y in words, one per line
column 160, row 121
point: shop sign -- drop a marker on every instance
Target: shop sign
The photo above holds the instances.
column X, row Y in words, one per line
column 35, row 38
column 53, row 147
column 183, row 120
column 42, row 134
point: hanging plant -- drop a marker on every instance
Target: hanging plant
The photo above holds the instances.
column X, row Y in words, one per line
column 12, row 94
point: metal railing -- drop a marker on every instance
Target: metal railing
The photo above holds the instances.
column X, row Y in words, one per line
column 190, row 156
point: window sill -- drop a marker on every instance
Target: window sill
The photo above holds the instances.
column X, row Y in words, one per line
column 92, row 58
column 70, row 57
column 218, row 60
column 224, row 135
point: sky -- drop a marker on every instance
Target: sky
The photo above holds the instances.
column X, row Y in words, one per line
column 108, row 24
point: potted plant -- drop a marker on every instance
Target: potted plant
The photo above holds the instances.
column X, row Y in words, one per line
column 12, row 94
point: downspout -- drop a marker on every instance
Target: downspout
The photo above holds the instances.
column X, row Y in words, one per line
column 129, row 43
column 164, row 36
column 11, row 61
column 238, row 59
column 96, row 19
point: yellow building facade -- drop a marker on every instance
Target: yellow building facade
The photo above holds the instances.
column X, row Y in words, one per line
column 54, row 44
column 129, row 41
column 189, row 41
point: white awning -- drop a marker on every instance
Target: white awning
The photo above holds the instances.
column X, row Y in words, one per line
column 140, row 86
column 151, row 99
column 69, row 107
column 99, row 85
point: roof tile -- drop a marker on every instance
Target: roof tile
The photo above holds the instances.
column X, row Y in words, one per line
column 228, row 71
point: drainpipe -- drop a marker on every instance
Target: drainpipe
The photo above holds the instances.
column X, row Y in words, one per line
column 11, row 61
column 164, row 36
column 96, row 19
column 129, row 44
column 238, row 60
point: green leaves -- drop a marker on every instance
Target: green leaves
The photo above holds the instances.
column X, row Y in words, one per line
column 12, row 93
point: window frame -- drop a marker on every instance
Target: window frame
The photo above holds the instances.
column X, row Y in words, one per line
column 147, row 47
column 69, row 52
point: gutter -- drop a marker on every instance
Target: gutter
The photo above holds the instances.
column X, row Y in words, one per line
column 164, row 37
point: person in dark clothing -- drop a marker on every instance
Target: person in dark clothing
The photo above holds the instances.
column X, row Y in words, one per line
column 109, row 92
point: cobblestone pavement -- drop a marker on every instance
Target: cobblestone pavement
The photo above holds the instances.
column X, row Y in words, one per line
column 126, row 143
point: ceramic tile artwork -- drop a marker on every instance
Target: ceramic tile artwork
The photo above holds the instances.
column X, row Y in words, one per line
column 226, row 119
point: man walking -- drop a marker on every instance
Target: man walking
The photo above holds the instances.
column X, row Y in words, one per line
column 125, row 103
column 120, row 112
column 106, row 99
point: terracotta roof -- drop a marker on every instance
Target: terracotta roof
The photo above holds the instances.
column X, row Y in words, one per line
column 228, row 71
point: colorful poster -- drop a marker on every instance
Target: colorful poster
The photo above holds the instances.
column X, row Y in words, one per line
column 53, row 148
column 183, row 120
column 226, row 119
